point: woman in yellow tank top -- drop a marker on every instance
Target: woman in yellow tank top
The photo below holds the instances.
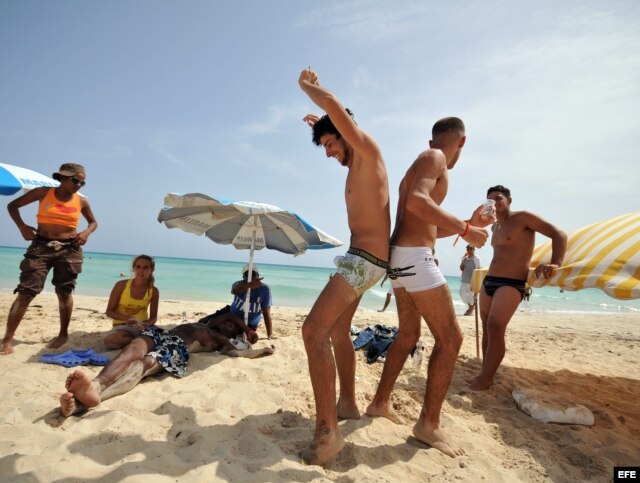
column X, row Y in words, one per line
column 133, row 304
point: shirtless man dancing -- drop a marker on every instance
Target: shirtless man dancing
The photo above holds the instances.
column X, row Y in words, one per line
column 419, row 221
column 155, row 349
column 366, row 261
column 504, row 286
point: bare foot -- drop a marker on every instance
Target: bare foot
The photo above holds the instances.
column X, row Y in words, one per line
column 68, row 405
column 384, row 411
column 480, row 384
column 347, row 409
column 82, row 389
column 58, row 342
column 7, row 348
column 323, row 447
column 436, row 438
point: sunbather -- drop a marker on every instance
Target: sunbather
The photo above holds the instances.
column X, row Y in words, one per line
column 154, row 350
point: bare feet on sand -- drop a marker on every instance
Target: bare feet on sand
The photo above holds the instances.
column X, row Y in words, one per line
column 436, row 438
column 384, row 411
column 347, row 409
column 477, row 384
column 68, row 405
column 81, row 389
column 323, row 447
column 58, row 342
column 6, row 348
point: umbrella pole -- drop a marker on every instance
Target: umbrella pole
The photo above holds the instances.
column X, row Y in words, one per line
column 475, row 310
column 247, row 300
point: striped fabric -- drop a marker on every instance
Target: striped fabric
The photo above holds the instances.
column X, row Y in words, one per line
column 605, row 255
column 476, row 279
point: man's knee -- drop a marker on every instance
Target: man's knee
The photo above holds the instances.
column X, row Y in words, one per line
column 135, row 350
column 496, row 326
column 407, row 337
column 309, row 332
column 451, row 341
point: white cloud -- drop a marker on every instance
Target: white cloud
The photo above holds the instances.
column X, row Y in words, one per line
column 277, row 115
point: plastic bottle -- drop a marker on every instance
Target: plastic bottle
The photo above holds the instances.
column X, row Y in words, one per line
column 414, row 362
column 417, row 356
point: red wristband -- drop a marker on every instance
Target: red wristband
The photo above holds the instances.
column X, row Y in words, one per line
column 466, row 230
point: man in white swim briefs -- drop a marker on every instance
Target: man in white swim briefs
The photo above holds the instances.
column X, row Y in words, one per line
column 421, row 290
column 327, row 325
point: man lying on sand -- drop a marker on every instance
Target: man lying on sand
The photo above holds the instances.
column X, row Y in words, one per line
column 152, row 351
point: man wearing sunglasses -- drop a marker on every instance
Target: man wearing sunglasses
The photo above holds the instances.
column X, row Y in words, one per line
column 55, row 244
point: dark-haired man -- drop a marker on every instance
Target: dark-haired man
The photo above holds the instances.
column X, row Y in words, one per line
column 155, row 350
column 504, row 286
column 260, row 303
column 424, row 292
column 327, row 325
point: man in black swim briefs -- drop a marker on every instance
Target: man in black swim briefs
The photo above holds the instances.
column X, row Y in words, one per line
column 503, row 288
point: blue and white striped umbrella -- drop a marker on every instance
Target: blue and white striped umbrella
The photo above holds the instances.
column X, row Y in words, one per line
column 243, row 224
column 14, row 179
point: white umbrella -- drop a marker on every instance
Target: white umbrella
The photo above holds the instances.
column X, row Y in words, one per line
column 244, row 224
column 14, row 179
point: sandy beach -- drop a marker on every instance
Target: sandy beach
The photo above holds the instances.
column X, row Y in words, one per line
column 245, row 420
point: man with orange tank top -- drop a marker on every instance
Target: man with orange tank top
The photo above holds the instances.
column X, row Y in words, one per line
column 55, row 244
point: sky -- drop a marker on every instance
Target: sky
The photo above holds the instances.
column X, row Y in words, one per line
column 154, row 97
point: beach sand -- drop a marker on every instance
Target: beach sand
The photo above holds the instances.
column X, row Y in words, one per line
column 245, row 420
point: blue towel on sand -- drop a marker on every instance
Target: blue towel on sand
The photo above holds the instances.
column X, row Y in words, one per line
column 75, row 358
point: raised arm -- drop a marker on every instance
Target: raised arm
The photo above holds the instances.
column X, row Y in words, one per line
column 241, row 286
column 329, row 103
column 429, row 168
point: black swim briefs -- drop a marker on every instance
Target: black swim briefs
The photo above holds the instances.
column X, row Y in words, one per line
column 491, row 284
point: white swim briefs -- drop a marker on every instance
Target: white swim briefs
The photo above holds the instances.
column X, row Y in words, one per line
column 426, row 274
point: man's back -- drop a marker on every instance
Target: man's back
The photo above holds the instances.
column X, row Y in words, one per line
column 426, row 176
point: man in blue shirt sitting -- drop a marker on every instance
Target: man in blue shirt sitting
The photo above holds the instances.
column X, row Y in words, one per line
column 260, row 299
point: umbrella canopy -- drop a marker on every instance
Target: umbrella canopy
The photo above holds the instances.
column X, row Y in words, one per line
column 243, row 224
column 605, row 255
column 14, row 179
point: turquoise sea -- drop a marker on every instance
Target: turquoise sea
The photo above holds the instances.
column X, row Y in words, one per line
column 190, row 279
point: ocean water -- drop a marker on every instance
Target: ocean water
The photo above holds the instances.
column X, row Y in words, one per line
column 190, row 279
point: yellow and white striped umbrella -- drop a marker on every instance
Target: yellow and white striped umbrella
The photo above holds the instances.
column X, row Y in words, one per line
column 477, row 277
column 605, row 255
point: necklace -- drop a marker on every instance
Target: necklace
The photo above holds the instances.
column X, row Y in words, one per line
column 498, row 223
